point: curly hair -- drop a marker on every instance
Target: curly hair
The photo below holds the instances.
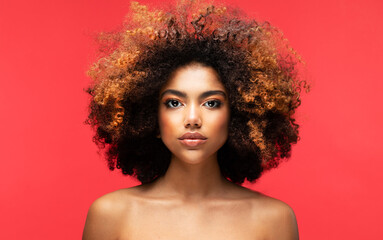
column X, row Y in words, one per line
column 255, row 63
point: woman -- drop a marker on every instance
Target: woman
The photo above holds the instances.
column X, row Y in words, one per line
column 192, row 102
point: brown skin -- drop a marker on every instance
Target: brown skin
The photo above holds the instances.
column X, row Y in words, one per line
column 192, row 200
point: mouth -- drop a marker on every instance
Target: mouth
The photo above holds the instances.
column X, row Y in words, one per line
column 192, row 135
column 192, row 139
column 192, row 142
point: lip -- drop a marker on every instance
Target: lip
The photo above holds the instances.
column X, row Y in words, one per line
column 192, row 139
column 192, row 135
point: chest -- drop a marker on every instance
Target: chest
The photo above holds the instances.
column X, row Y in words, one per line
column 233, row 222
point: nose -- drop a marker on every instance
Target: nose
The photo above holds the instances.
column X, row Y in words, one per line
column 192, row 116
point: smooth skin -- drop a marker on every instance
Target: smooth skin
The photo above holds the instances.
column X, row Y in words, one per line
column 192, row 200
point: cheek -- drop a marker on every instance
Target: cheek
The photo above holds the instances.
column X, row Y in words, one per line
column 224, row 126
column 166, row 123
column 220, row 124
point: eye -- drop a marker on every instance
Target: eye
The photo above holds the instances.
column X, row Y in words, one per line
column 172, row 103
column 213, row 104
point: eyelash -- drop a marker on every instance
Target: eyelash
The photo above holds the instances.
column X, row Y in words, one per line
column 218, row 103
column 167, row 103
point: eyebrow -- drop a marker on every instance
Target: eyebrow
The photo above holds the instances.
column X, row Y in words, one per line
column 203, row 95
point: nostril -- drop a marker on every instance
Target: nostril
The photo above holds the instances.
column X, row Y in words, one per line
column 193, row 122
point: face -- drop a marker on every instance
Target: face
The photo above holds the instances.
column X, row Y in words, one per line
column 194, row 114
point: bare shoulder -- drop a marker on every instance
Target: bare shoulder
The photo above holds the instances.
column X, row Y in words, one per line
column 105, row 214
column 111, row 203
column 277, row 217
column 271, row 206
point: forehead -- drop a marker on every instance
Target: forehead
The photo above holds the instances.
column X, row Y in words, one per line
column 193, row 78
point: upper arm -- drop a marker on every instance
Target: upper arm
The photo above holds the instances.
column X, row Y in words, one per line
column 283, row 223
column 101, row 221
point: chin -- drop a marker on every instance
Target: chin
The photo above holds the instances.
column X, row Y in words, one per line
column 193, row 157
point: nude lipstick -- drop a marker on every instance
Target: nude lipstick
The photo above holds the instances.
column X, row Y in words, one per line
column 192, row 139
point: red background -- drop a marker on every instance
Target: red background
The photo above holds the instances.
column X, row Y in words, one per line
column 50, row 171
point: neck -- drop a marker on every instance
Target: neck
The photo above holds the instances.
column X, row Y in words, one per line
column 193, row 181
